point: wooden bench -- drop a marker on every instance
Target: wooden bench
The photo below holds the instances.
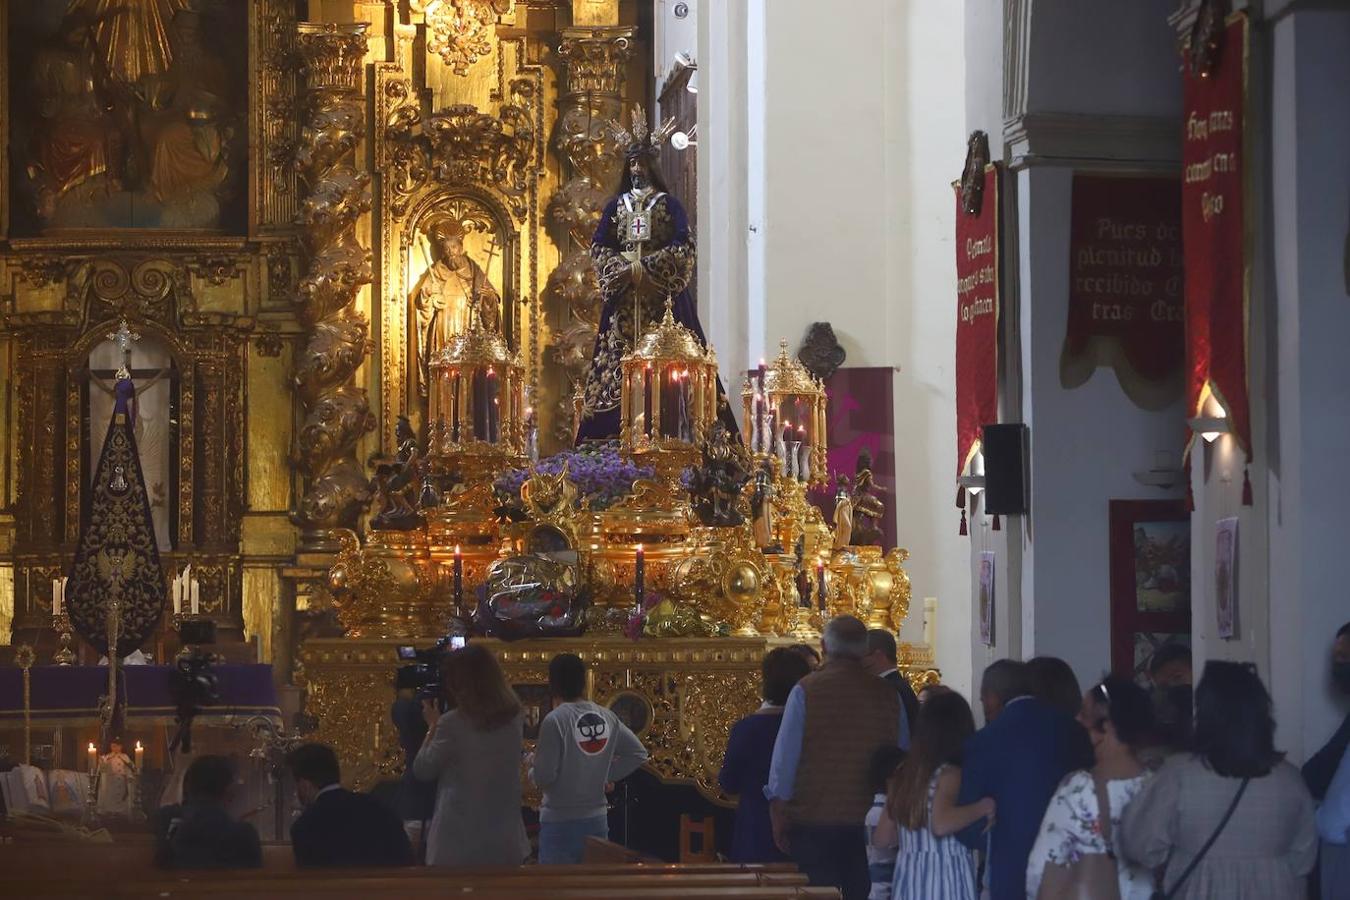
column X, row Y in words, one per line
column 346, row 888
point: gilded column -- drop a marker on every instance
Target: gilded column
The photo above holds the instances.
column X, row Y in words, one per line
column 594, row 61
column 335, row 195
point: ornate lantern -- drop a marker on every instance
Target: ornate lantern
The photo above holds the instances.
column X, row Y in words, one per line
column 784, row 408
column 668, row 397
column 477, row 404
column 476, row 416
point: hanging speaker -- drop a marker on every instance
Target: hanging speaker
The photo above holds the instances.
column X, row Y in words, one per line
column 1005, row 470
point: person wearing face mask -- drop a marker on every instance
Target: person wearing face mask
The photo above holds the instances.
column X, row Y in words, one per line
column 1327, row 774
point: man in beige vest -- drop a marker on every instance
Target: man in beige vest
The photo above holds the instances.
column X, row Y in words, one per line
column 835, row 721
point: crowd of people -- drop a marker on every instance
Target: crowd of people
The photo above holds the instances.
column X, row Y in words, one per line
column 461, row 797
column 1117, row 791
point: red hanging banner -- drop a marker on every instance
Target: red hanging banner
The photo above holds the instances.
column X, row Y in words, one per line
column 976, row 317
column 1213, row 223
column 1125, row 300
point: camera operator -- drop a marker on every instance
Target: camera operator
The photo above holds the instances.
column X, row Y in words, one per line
column 473, row 752
column 416, row 799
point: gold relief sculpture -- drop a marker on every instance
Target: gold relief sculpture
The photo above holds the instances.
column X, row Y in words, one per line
column 337, row 265
column 459, row 31
column 724, row 577
column 873, row 587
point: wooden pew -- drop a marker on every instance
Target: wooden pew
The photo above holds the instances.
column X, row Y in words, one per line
column 435, row 884
column 49, row 870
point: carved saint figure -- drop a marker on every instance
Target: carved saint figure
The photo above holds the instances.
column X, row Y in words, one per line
column 867, row 506
column 761, row 507
column 843, row 515
column 643, row 252
column 716, row 484
column 452, row 295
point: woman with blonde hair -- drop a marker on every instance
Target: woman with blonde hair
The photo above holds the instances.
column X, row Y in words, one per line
column 473, row 751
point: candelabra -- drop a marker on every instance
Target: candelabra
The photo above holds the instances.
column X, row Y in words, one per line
column 61, row 625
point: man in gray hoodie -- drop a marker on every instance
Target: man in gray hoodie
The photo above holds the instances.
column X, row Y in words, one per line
column 582, row 748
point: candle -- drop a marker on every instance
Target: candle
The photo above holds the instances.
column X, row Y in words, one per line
column 178, row 595
column 195, row 587
column 459, row 578
column 646, row 399
column 820, row 583
column 140, row 755
column 56, row 597
column 639, row 576
column 93, row 758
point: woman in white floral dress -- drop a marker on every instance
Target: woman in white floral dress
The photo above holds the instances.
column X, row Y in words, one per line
column 1119, row 718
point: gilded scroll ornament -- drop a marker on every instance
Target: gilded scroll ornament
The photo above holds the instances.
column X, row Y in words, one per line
column 336, row 265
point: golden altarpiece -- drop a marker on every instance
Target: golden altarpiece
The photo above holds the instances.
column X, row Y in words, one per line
column 320, row 218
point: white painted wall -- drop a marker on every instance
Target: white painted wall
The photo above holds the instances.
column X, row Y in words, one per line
column 1309, row 429
column 673, row 35
column 1085, row 445
column 824, row 169
column 863, row 131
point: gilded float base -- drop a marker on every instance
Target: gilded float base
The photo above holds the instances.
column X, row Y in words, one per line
column 680, row 695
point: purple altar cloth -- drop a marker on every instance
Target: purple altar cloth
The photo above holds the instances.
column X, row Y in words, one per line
column 72, row 692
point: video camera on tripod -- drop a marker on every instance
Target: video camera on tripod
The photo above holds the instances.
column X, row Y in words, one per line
column 423, row 669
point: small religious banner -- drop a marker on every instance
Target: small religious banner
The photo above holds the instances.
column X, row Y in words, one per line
column 977, row 288
column 1213, row 218
column 987, row 597
column 1226, row 577
column 1125, row 286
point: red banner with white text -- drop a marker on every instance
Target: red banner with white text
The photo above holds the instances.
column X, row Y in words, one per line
column 1213, row 221
column 1125, row 286
column 977, row 261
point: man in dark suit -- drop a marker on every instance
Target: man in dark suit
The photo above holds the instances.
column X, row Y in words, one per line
column 201, row 833
column 881, row 661
column 339, row 827
column 1018, row 758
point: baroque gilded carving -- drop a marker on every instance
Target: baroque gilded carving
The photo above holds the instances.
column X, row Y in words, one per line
column 460, row 145
column 336, row 266
column 460, row 31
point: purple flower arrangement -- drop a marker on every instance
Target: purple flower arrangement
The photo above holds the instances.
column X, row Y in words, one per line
column 601, row 475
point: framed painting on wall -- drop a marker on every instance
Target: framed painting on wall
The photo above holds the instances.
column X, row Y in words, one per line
column 1150, row 569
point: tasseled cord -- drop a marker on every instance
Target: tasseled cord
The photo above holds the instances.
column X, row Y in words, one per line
column 961, row 505
column 996, row 526
column 1246, row 486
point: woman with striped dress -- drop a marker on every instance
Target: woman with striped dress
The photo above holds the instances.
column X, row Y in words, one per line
column 922, row 813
